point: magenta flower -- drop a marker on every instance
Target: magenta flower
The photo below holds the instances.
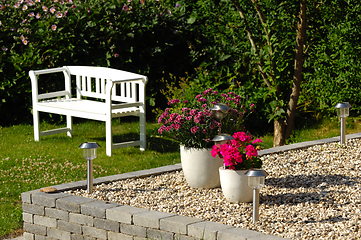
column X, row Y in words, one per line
column 194, row 129
column 125, row 8
column 116, row 55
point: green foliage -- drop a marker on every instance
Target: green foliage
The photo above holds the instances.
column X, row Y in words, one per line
column 334, row 69
column 138, row 36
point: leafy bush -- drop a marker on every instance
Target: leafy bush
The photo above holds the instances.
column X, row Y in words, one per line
column 139, row 36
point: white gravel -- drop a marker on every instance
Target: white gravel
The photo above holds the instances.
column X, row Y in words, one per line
column 312, row 193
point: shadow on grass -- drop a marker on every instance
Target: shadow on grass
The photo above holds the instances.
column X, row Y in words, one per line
column 157, row 144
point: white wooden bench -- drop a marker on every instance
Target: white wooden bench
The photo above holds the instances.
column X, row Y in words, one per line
column 101, row 94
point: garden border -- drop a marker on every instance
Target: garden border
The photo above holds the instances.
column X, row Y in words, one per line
column 64, row 216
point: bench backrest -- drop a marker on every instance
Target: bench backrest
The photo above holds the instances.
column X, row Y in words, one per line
column 94, row 82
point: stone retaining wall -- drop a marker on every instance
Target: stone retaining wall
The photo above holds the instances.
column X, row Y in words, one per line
column 64, row 216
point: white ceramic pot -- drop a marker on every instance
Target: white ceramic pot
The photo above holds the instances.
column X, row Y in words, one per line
column 234, row 185
column 200, row 168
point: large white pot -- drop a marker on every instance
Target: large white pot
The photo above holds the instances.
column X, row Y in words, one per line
column 200, row 168
column 234, row 185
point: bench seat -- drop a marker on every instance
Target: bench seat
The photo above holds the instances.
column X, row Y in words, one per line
column 101, row 94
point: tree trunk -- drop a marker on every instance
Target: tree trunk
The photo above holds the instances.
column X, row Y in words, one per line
column 297, row 74
column 279, row 132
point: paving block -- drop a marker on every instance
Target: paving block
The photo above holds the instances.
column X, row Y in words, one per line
column 95, row 232
column 32, row 208
column 206, row 230
column 150, row 218
column 80, row 237
column 159, row 235
column 28, row 217
column 123, row 214
column 106, row 224
column 41, row 237
column 81, row 219
column 133, row 230
column 35, row 229
column 70, row 227
column 45, row 221
column 141, row 238
column 119, row 236
column 26, row 196
column 185, row 237
column 58, row 234
column 47, row 199
column 97, row 208
column 57, row 214
column 72, row 203
column 237, row 234
column 177, row 224
column 28, row 236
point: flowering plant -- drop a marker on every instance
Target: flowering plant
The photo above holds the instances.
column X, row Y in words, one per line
column 192, row 123
column 241, row 153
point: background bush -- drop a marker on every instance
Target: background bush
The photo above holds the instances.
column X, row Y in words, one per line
column 200, row 43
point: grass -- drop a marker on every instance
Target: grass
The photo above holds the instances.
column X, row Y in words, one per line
column 27, row 165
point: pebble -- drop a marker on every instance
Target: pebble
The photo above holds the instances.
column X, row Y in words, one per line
column 311, row 193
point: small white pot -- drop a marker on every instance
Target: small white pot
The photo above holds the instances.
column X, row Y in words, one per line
column 234, row 185
column 200, row 168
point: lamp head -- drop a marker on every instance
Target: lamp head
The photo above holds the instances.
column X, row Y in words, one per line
column 256, row 178
column 219, row 110
column 222, row 138
column 343, row 109
column 89, row 150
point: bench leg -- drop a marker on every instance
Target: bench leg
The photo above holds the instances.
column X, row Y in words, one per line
column 108, row 137
column 69, row 125
column 142, row 132
column 36, row 125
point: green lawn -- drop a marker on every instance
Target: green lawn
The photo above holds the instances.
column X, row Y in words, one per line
column 26, row 165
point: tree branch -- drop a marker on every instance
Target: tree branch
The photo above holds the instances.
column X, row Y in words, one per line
column 250, row 37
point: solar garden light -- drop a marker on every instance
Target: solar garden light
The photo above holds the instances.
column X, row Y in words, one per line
column 219, row 110
column 222, row 138
column 343, row 110
column 89, row 153
column 256, row 179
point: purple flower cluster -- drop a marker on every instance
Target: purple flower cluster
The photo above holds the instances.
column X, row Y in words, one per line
column 32, row 10
column 192, row 123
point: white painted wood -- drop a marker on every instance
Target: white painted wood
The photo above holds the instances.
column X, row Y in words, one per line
column 99, row 83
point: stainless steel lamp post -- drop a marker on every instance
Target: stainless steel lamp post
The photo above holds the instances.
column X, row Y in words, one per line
column 219, row 110
column 256, row 179
column 89, row 153
column 343, row 110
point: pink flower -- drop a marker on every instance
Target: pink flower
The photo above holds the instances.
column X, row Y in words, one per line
column 45, row 9
column 257, row 141
column 52, row 10
column 215, row 150
column 194, row 129
column 116, row 55
column 241, row 136
column 251, row 151
column 59, row 15
column 125, row 8
column 53, row 27
column 173, row 101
